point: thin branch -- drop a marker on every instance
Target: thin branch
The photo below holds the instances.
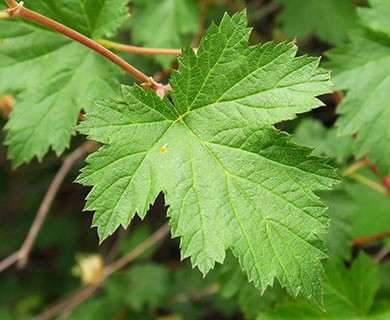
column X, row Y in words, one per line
column 121, row 262
column 369, row 183
column 369, row 239
column 9, row 261
column 231, row 4
column 385, row 180
column 70, row 303
column 338, row 97
column 21, row 256
column 11, row 3
column 19, row 11
column 139, row 50
column 381, row 254
column 264, row 11
column 196, row 295
column 69, row 300
column 354, row 167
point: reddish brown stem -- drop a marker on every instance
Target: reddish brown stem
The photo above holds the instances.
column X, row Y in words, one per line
column 369, row 239
column 74, row 300
column 385, row 180
column 18, row 11
column 11, row 3
column 232, row 6
column 20, row 257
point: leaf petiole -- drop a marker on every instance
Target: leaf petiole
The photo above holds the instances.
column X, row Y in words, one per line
column 17, row 10
column 139, row 50
column 4, row 15
column 369, row 183
column 354, row 167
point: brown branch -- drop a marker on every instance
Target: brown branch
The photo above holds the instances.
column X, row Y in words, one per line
column 71, row 302
column 381, row 254
column 195, row 295
column 68, row 301
column 369, row 239
column 11, row 3
column 232, row 6
column 21, row 256
column 264, row 11
column 19, row 11
column 139, row 50
column 9, row 261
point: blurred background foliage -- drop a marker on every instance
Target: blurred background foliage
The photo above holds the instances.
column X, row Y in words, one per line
column 158, row 285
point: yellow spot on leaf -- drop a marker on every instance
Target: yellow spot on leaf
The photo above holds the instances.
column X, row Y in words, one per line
column 163, row 149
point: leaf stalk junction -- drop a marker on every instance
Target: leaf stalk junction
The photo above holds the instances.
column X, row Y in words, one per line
column 18, row 10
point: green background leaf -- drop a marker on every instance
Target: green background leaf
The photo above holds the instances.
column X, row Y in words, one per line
column 53, row 77
column 348, row 294
column 325, row 141
column 362, row 67
column 328, row 19
column 164, row 24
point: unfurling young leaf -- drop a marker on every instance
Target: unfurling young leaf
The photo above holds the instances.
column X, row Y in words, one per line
column 231, row 180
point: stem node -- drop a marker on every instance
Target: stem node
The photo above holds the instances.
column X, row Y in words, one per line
column 15, row 11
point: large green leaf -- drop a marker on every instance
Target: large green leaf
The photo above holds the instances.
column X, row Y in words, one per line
column 330, row 20
column 230, row 178
column 52, row 76
column 363, row 67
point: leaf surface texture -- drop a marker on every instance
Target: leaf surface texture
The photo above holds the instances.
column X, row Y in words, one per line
column 231, row 180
